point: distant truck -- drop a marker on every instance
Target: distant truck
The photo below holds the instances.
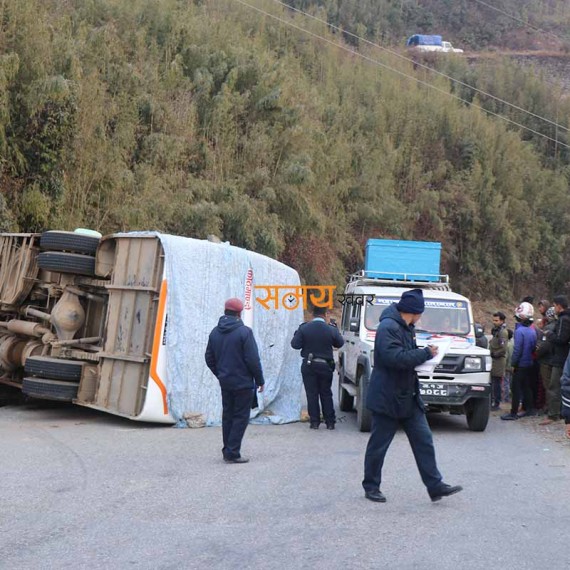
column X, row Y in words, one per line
column 421, row 42
column 461, row 384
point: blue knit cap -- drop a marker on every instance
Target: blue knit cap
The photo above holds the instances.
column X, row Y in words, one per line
column 411, row 302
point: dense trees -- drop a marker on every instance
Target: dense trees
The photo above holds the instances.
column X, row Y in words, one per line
column 208, row 118
column 471, row 23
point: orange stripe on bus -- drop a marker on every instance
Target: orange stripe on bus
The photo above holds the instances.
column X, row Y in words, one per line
column 156, row 344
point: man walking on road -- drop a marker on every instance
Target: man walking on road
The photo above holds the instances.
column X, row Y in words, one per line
column 394, row 398
column 233, row 358
column 316, row 341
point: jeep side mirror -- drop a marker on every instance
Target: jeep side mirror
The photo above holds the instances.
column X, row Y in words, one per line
column 354, row 325
column 479, row 330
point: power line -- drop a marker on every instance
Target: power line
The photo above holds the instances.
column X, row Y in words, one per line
column 379, row 63
column 417, row 63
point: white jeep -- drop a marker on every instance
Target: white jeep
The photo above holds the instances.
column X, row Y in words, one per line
column 460, row 384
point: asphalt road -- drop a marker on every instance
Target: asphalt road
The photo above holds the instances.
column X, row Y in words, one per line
column 80, row 489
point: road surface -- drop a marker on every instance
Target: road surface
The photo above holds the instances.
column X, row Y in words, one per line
column 81, row 489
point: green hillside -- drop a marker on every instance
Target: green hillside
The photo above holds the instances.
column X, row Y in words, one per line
column 474, row 24
column 205, row 117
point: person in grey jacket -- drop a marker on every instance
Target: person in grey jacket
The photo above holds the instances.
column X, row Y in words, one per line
column 394, row 398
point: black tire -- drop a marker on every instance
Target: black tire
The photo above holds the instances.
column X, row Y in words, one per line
column 363, row 414
column 50, row 389
column 345, row 400
column 67, row 263
column 477, row 411
column 53, row 368
column 69, row 241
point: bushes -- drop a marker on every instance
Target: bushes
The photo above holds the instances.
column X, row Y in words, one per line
column 205, row 118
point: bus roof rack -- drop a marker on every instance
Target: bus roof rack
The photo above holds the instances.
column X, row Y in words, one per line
column 413, row 280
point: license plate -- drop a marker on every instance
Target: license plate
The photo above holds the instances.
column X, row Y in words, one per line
column 429, row 389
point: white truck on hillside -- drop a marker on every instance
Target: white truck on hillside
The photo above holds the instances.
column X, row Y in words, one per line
column 425, row 43
column 461, row 383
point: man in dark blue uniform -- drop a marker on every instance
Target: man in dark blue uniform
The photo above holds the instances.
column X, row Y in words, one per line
column 394, row 398
column 233, row 357
column 316, row 341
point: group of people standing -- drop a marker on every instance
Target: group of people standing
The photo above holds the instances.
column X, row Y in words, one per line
column 536, row 358
column 233, row 357
column 393, row 396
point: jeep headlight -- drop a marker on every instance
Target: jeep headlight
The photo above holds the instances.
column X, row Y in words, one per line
column 473, row 364
column 488, row 363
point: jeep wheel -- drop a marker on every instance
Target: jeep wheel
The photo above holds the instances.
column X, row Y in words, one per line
column 69, row 241
column 477, row 411
column 53, row 368
column 50, row 389
column 363, row 414
column 67, row 263
column 345, row 400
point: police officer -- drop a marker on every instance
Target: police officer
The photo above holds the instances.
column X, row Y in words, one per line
column 394, row 398
column 316, row 341
column 233, row 358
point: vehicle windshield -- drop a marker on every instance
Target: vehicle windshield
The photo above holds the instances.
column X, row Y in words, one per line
column 441, row 316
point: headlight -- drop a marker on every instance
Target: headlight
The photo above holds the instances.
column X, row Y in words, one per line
column 371, row 359
column 473, row 363
column 488, row 363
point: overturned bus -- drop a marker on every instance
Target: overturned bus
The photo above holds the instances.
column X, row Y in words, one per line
column 120, row 323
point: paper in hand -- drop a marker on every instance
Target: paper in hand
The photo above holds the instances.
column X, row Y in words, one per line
column 443, row 345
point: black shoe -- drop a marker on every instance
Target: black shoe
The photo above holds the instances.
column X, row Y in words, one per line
column 509, row 417
column 375, row 496
column 528, row 414
column 444, row 491
column 236, row 460
column 330, row 425
column 314, row 425
column 495, row 407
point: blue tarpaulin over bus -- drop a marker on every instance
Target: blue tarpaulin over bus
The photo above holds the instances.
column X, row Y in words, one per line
column 201, row 275
column 423, row 40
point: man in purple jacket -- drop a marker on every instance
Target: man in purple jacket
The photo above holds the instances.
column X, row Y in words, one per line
column 522, row 364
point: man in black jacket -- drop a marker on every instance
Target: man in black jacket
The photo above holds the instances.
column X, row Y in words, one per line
column 559, row 340
column 565, row 390
column 394, row 398
column 233, row 358
column 316, row 341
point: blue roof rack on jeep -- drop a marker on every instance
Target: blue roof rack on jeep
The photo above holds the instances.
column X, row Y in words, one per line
column 409, row 280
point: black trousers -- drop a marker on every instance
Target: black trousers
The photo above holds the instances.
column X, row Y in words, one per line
column 236, row 406
column 521, row 388
column 421, row 441
column 317, row 379
column 496, row 385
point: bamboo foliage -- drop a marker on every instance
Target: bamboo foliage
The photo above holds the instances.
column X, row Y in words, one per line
column 200, row 118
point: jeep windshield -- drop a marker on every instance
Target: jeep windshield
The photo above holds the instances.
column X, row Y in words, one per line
column 441, row 316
